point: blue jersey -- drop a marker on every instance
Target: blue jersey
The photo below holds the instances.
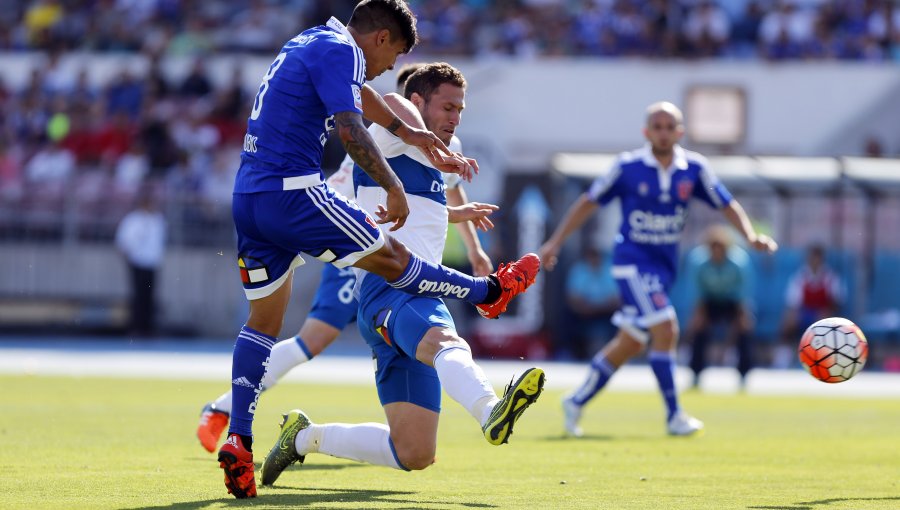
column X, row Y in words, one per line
column 654, row 204
column 317, row 74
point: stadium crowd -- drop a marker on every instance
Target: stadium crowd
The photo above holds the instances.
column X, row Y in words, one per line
column 770, row 29
column 62, row 132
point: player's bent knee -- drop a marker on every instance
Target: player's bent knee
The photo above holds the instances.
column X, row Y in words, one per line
column 416, row 459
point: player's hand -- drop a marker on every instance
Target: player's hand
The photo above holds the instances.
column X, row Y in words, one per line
column 764, row 243
column 481, row 263
column 397, row 208
column 476, row 212
column 548, row 255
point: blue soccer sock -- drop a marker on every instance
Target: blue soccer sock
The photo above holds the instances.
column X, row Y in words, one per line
column 600, row 373
column 423, row 278
column 248, row 366
column 663, row 365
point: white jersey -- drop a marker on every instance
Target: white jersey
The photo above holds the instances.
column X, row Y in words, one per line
column 342, row 179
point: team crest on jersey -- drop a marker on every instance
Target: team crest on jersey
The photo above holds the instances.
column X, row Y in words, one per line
column 371, row 222
column 685, row 188
column 643, row 189
column 252, row 270
column 357, row 96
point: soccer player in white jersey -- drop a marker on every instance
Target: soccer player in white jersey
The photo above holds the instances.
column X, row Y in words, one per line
column 282, row 207
column 415, row 345
column 334, row 305
column 654, row 185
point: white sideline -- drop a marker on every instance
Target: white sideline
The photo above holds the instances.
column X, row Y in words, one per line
column 358, row 370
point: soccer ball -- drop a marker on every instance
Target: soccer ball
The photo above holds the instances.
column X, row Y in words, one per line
column 833, row 349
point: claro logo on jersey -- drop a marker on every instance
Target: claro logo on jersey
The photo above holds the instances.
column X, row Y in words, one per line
column 650, row 228
column 443, row 288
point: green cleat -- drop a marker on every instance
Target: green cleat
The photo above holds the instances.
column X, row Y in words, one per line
column 517, row 397
column 284, row 453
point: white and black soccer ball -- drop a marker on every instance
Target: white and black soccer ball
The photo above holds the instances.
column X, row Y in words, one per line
column 833, row 349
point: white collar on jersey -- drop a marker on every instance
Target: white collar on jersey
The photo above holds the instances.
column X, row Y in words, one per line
column 339, row 27
column 679, row 159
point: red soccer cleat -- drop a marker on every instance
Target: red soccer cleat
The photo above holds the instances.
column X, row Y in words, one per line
column 514, row 278
column 238, row 465
column 212, row 423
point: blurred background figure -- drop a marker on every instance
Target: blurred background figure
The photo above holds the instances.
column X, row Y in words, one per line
column 814, row 292
column 723, row 279
column 141, row 238
column 592, row 297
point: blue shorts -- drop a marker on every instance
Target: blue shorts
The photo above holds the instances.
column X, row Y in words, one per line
column 334, row 303
column 645, row 300
column 274, row 227
column 393, row 323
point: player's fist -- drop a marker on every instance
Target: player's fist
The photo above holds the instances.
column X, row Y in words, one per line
column 397, row 208
column 764, row 243
column 548, row 255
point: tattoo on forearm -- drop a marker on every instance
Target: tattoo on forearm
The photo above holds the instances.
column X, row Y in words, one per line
column 362, row 149
column 394, row 125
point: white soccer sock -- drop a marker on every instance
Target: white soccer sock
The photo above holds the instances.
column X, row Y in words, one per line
column 362, row 442
column 285, row 355
column 465, row 382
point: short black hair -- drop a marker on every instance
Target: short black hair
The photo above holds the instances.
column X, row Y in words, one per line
column 393, row 15
column 429, row 77
column 405, row 72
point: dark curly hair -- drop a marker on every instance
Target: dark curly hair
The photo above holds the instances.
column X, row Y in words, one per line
column 393, row 15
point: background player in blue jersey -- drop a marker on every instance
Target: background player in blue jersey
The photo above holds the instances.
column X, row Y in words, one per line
column 334, row 305
column 282, row 207
column 416, row 347
column 654, row 185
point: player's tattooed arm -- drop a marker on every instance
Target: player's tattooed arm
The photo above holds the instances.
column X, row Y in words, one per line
column 362, row 149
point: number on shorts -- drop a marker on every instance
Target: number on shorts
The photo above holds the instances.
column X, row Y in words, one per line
column 346, row 292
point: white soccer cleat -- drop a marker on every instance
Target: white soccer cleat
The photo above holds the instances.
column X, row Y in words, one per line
column 572, row 414
column 683, row 424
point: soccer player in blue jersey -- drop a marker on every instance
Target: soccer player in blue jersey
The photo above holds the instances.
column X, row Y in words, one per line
column 282, row 207
column 416, row 348
column 654, row 185
column 334, row 305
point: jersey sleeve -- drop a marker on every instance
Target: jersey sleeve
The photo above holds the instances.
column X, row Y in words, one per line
column 606, row 187
column 338, row 75
column 710, row 189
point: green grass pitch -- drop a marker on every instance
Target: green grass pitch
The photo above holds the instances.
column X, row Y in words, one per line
column 100, row 443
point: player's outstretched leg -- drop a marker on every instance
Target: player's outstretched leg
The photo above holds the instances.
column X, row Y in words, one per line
column 284, row 453
column 237, row 462
column 212, row 423
column 514, row 278
column 517, row 397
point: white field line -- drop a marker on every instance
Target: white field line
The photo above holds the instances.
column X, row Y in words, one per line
column 358, row 370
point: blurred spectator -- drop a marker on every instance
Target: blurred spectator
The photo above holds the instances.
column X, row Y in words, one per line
column 707, row 29
column 814, row 292
column 593, row 297
column 125, row 95
column 724, row 289
column 141, row 238
column 197, row 83
column 50, row 166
